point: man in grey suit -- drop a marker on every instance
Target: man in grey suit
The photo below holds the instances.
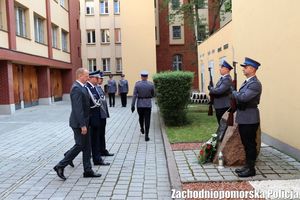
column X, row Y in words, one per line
column 123, row 90
column 79, row 122
column 247, row 115
column 222, row 91
column 143, row 92
column 111, row 89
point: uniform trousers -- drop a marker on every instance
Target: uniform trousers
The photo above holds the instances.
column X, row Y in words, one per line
column 123, row 99
column 98, row 140
column 248, row 137
column 111, row 99
column 82, row 143
column 220, row 112
column 144, row 118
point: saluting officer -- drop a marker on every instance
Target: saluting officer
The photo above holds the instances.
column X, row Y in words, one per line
column 143, row 92
column 222, row 91
column 98, row 112
column 104, row 115
column 123, row 90
column 247, row 115
column 112, row 89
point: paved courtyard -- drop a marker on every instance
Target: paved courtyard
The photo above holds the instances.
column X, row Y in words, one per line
column 34, row 139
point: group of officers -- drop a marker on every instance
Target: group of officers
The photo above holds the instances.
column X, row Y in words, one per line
column 90, row 111
column 247, row 113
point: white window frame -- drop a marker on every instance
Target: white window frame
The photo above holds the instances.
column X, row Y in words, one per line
column 174, row 36
column 105, row 37
column 177, row 63
column 118, row 35
column 54, row 30
column 39, row 29
column 64, row 40
column 104, row 7
column 116, row 7
column 106, row 64
column 20, row 21
column 92, row 63
column 89, row 8
column 91, row 37
column 119, row 64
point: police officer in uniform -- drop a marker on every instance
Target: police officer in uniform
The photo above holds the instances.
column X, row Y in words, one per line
column 247, row 115
column 111, row 89
column 98, row 112
column 79, row 121
column 143, row 92
column 222, row 91
column 123, row 90
column 104, row 115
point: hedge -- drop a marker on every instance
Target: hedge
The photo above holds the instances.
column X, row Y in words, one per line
column 173, row 93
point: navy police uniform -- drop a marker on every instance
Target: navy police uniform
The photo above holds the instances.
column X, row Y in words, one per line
column 143, row 92
column 123, row 90
column 222, row 93
column 248, row 118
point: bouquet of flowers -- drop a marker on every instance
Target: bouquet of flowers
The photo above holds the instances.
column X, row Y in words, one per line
column 208, row 150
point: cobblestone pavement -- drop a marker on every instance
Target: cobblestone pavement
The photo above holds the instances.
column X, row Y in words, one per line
column 34, row 139
column 271, row 165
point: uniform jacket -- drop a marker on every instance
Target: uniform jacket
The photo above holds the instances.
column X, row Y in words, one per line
column 112, row 86
column 221, row 92
column 80, row 103
column 143, row 92
column 248, row 98
column 123, row 86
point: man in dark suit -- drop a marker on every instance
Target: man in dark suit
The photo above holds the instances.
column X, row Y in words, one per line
column 222, row 91
column 247, row 115
column 97, row 117
column 79, row 121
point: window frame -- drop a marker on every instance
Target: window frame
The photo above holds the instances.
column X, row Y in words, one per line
column 174, row 33
column 177, row 64
column 105, row 38
column 39, row 29
column 91, row 6
column 64, row 40
column 55, row 31
column 117, row 5
column 91, row 35
column 92, row 64
column 106, row 64
column 119, row 64
column 118, row 39
column 104, row 7
column 21, row 26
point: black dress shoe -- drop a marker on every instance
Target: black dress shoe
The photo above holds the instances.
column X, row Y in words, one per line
column 247, row 173
column 60, row 172
column 90, row 174
column 239, row 170
column 107, row 154
column 147, row 139
column 71, row 162
column 102, row 163
column 142, row 131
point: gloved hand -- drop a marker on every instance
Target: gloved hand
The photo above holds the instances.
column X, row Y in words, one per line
column 132, row 109
column 209, row 87
column 234, row 93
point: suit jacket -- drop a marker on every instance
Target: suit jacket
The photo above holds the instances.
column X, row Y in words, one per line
column 222, row 92
column 80, row 103
column 248, row 98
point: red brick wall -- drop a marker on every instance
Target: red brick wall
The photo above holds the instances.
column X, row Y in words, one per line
column 165, row 51
column 213, row 16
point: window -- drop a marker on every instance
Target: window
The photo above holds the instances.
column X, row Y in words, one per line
column 92, row 64
column 106, row 64
column 91, row 37
column 175, row 4
column 54, row 30
column 176, row 32
column 89, row 7
column 103, row 6
column 117, row 35
column 119, row 64
column 64, row 3
column 64, row 40
column 39, row 29
column 20, row 22
column 105, row 36
column 117, row 6
column 177, row 62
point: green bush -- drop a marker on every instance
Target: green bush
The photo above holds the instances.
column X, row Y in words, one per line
column 173, row 93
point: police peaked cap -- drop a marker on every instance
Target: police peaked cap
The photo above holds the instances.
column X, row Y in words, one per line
column 250, row 62
column 227, row 65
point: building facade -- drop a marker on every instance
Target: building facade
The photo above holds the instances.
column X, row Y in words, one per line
column 176, row 45
column 39, row 51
